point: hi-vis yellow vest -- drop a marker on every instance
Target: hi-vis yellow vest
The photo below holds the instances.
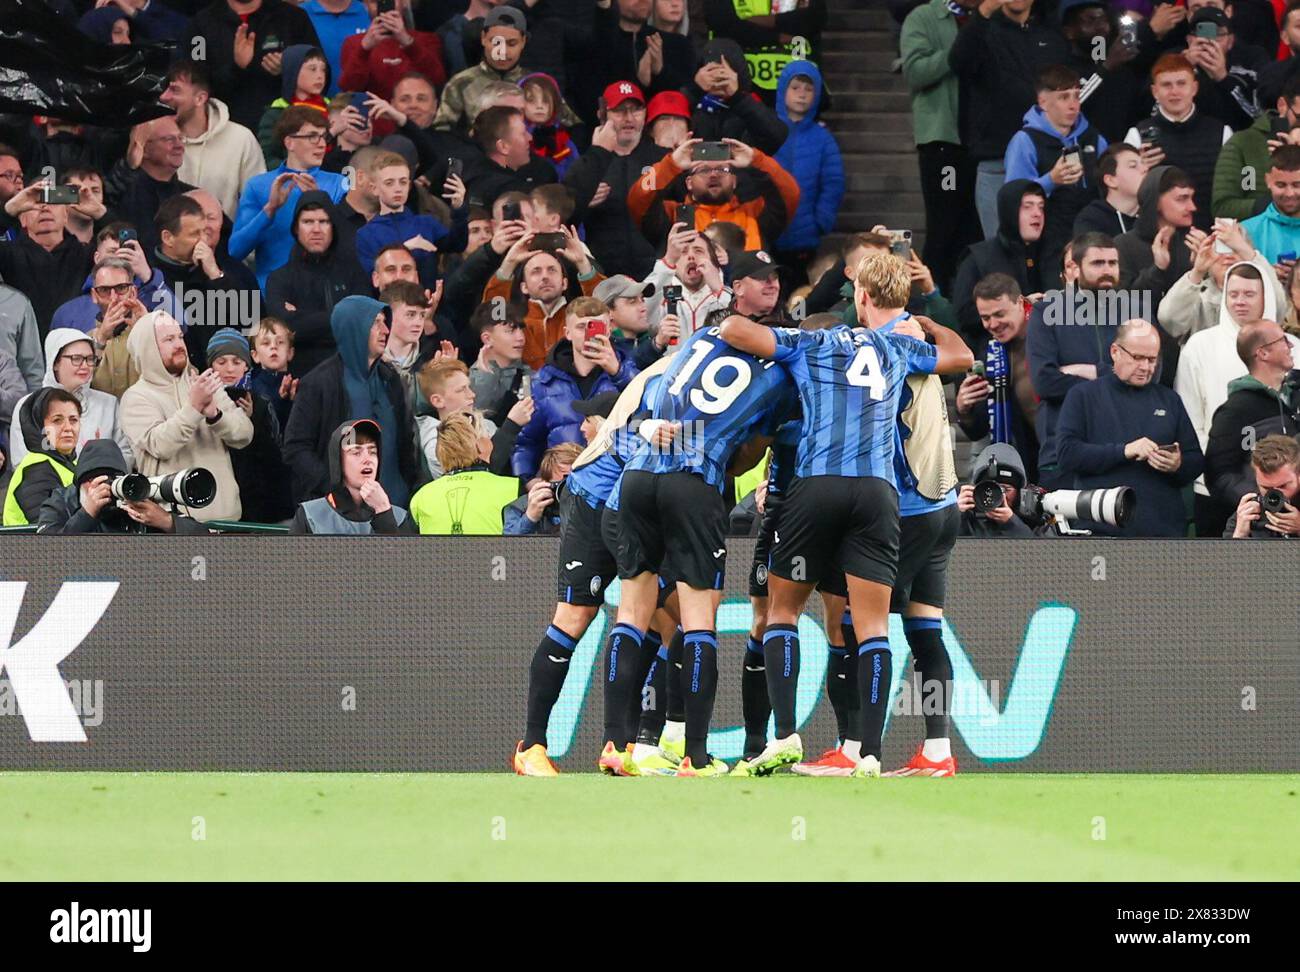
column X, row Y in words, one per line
column 13, row 513
column 766, row 65
column 468, row 503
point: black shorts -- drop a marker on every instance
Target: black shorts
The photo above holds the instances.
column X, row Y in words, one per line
column 831, row 524
column 925, row 547
column 673, row 525
column 586, row 564
column 832, row 583
column 609, row 530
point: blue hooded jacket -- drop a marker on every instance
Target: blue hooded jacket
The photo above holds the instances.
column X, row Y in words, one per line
column 1021, row 158
column 812, row 156
column 98, row 24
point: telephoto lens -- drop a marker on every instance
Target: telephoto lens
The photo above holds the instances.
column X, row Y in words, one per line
column 130, row 488
column 190, row 487
column 988, row 496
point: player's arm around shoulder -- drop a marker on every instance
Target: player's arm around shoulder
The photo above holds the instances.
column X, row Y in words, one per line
column 759, row 339
column 952, row 356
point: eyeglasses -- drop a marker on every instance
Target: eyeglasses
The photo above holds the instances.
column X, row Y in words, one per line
column 314, row 137
column 720, row 170
column 104, row 290
column 1140, row 358
column 1269, row 344
column 77, row 360
column 167, row 139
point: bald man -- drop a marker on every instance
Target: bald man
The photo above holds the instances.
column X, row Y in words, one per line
column 1126, row 429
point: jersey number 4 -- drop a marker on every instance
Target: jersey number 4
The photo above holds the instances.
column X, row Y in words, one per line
column 865, row 372
column 711, row 396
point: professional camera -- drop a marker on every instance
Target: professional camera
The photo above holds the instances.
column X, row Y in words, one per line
column 1272, row 501
column 998, row 465
column 1113, row 506
column 190, row 487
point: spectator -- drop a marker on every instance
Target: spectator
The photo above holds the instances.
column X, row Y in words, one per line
column 947, row 171
column 1239, row 193
column 260, row 472
column 11, row 183
column 272, row 352
column 304, row 292
column 86, row 505
column 725, row 106
column 374, row 60
column 89, row 208
column 551, row 140
column 304, row 79
column 503, row 138
column 45, row 259
column 356, row 503
column 1058, row 149
column 1105, row 63
column 445, row 387
column 151, row 21
column 265, row 218
column 995, row 57
column 220, row 155
column 394, row 223
column 114, row 294
column 669, row 116
column 71, row 364
column 84, row 313
column 770, row 40
column 1125, row 429
column 353, row 384
column 349, row 129
column 107, row 25
column 625, row 45
column 812, row 156
column 499, row 378
column 1209, row 362
column 1273, row 78
column 1070, row 347
column 1120, row 171
column 1178, row 133
column 711, row 189
column 755, row 289
column 13, row 388
column 1228, row 70
column 1155, row 253
column 629, row 319
column 1259, row 404
column 51, row 424
column 1276, row 231
column 411, row 321
column 460, row 33
column 536, row 512
column 578, row 367
column 1014, row 251
column 147, row 178
column 179, row 419
column 361, row 203
column 620, row 151
column 1275, row 462
column 336, row 22
column 469, row 499
column 1001, row 402
column 215, row 230
column 245, row 41
column 543, row 279
column 690, row 261
column 1002, row 464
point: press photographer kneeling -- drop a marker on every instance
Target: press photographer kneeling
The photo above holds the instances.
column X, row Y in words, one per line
column 1271, row 512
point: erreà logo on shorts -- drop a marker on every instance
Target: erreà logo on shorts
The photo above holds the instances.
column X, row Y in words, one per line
column 102, row 925
column 32, row 664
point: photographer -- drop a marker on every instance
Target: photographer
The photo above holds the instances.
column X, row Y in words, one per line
column 88, row 506
column 1270, row 512
column 999, row 463
column 537, row 512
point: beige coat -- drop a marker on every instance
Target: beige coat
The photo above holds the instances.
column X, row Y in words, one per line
column 168, row 434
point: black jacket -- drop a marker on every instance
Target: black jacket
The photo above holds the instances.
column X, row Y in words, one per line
column 616, row 242
column 1024, row 437
column 462, row 291
column 1116, row 103
column 134, row 196
column 744, row 117
column 485, row 179
column 313, row 284
column 996, row 60
column 341, row 498
column 247, row 91
column 319, row 408
column 1005, row 253
column 187, row 279
column 1250, row 405
column 1100, row 216
column 1192, row 145
column 264, row 479
column 40, row 479
column 1137, row 267
column 615, row 54
column 47, row 279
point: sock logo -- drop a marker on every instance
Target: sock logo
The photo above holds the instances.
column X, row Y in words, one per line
column 33, row 663
column 875, row 677
column 558, row 661
column 572, row 564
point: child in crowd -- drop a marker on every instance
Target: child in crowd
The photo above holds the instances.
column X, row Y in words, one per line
column 552, row 141
column 304, row 75
column 499, row 378
column 445, row 385
column 272, row 350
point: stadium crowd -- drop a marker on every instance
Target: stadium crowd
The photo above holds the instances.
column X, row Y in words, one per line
column 387, row 265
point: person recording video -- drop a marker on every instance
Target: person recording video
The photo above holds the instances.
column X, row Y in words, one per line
column 1270, row 513
column 1000, row 464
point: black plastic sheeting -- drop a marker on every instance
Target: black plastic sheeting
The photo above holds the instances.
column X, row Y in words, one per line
column 48, row 67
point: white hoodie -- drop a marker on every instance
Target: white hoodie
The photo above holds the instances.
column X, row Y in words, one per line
column 1209, row 361
column 223, row 158
column 98, row 409
column 695, row 305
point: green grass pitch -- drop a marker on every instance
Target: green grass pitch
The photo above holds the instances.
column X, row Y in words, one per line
column 323, row 826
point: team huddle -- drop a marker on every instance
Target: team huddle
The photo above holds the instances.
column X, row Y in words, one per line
column 860, row 504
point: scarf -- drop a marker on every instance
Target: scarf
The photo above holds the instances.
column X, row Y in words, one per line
column 997, row 369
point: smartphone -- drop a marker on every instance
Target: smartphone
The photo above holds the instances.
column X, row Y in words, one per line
column 60, row 195
column 596, row 326
column 900, row 244
column 384, row 6
column 977, row 369
column 1150, row 134
column 1207, row 30
column 686, row 214
column 511, row 211
column 711, row 152
column 456, row 167
column 126, row 236
column 1287, row 257
column 236, row 392
column 672, row 300
column 272, row 45
column 525, row 386
column 1219, row 245
column 550, row 242
column 1072, row 156
column 1168, row 448
column 1128, row 32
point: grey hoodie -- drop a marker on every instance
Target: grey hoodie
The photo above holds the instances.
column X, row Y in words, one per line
column 20, row 335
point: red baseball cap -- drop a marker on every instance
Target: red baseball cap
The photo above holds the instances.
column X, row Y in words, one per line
column 621, row 91
column 668, row 103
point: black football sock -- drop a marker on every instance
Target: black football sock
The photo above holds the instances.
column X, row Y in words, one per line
column 640, row 699
column 781, row 655
column 754, row 703
column 676, row 679
column 545, row 680
column 851, row 672
column 875, row 668
column 840, row 691
column 622, row 662
column 656, row 683
column 925, row 636
column 700, row 655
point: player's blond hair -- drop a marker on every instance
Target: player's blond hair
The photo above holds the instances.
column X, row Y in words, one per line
column 885, row 279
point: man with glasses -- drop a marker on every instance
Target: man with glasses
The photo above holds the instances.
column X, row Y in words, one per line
column 84, row 313
column 11, row 182
column 114, row 293
column 264, row 222
column 156, row 153
column 1125, row 429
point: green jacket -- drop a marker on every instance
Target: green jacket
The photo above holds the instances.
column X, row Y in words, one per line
column 1244, row 160
column 928, row 35
column 937, row 307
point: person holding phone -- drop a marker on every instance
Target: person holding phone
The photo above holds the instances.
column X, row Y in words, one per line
column 1276, row 231
column 1227, row 68
column 46, row 261
column 389, row 48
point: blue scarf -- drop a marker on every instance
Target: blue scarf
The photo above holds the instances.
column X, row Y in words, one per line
column 997, row 370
